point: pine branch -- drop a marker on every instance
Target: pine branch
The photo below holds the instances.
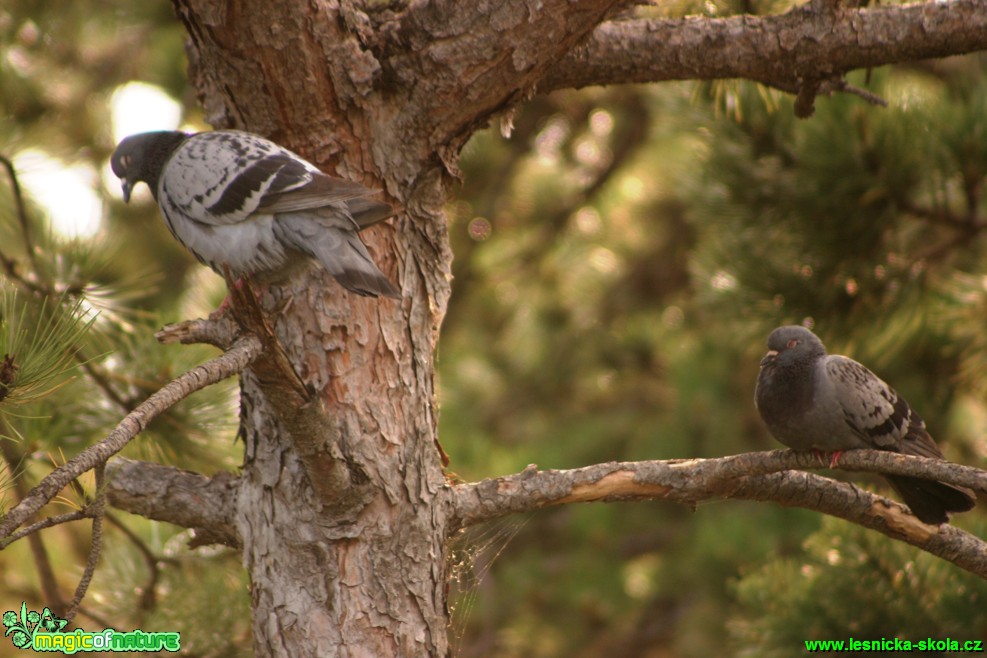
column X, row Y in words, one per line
column 238, row 357
column 21, row 209
column 751, row 476
column 782, row 51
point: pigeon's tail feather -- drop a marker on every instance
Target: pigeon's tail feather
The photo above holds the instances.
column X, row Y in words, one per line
column 350, row 264
column 367, row 212
column 930, row 501
column 347, row 259
column 338, row 249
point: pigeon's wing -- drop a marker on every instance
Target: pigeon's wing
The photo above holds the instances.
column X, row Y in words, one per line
column 223, row 177
column 871, row 408
column 319, row 190
column 883, row 419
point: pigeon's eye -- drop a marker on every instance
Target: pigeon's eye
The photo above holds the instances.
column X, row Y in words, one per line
column 792, row 343
column 125, row 161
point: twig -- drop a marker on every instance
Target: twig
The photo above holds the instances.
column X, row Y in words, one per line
column 149, row 591
column 47, row 522
column 98, row 509
column 867, row 95
column 238, row 357
column 15, row 187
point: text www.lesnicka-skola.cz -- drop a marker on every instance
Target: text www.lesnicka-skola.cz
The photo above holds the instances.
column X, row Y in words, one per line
column 895, row 644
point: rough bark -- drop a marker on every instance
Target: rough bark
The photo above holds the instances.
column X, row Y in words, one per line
column 807, row 43
column 189, row 500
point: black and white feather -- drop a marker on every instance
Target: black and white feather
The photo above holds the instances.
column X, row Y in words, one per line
column 240, row 202
column 811, row 400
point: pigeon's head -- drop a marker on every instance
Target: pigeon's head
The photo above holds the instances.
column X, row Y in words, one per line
column 141, row 157
column 792, row 344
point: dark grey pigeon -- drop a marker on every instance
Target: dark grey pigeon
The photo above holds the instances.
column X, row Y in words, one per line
column 242, row 202
column 811, row 400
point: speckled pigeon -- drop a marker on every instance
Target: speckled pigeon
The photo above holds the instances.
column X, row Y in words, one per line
column 811, row 400
column 241, row 202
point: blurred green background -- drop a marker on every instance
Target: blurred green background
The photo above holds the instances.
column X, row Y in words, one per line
column 619, row 261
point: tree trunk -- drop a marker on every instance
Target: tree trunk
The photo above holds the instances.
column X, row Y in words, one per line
column 355, row 568
column 344, row 531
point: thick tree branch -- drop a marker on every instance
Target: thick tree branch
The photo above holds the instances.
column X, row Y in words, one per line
column 461, row 63
column 186, row 499
column 239, row 356
column 783, row 51
column 753, row 476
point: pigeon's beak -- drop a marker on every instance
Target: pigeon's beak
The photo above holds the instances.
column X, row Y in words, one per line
column 127, row 187
column 769, row 357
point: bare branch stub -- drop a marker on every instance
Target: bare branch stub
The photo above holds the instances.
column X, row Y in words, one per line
column 805, row 100
column 220, row 332
column 189, row 500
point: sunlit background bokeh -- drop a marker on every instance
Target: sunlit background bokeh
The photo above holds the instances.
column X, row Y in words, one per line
column 619, row 260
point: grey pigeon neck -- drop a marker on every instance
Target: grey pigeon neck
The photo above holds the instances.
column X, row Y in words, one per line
column 158, row 152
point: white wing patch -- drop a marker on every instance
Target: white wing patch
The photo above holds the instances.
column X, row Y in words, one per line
column 221, row 177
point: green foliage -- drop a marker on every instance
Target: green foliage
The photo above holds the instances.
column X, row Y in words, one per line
column 38, row 348
column 619, row 262
column 200, row 593
column 619, row 312
column 77, row 323
column 849, row 582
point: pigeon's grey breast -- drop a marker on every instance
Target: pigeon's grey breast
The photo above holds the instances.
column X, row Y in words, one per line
column 803, row 406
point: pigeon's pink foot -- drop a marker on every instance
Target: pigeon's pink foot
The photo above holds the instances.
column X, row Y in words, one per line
column 239, row 284
column 221, row 311
column 834, row 457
